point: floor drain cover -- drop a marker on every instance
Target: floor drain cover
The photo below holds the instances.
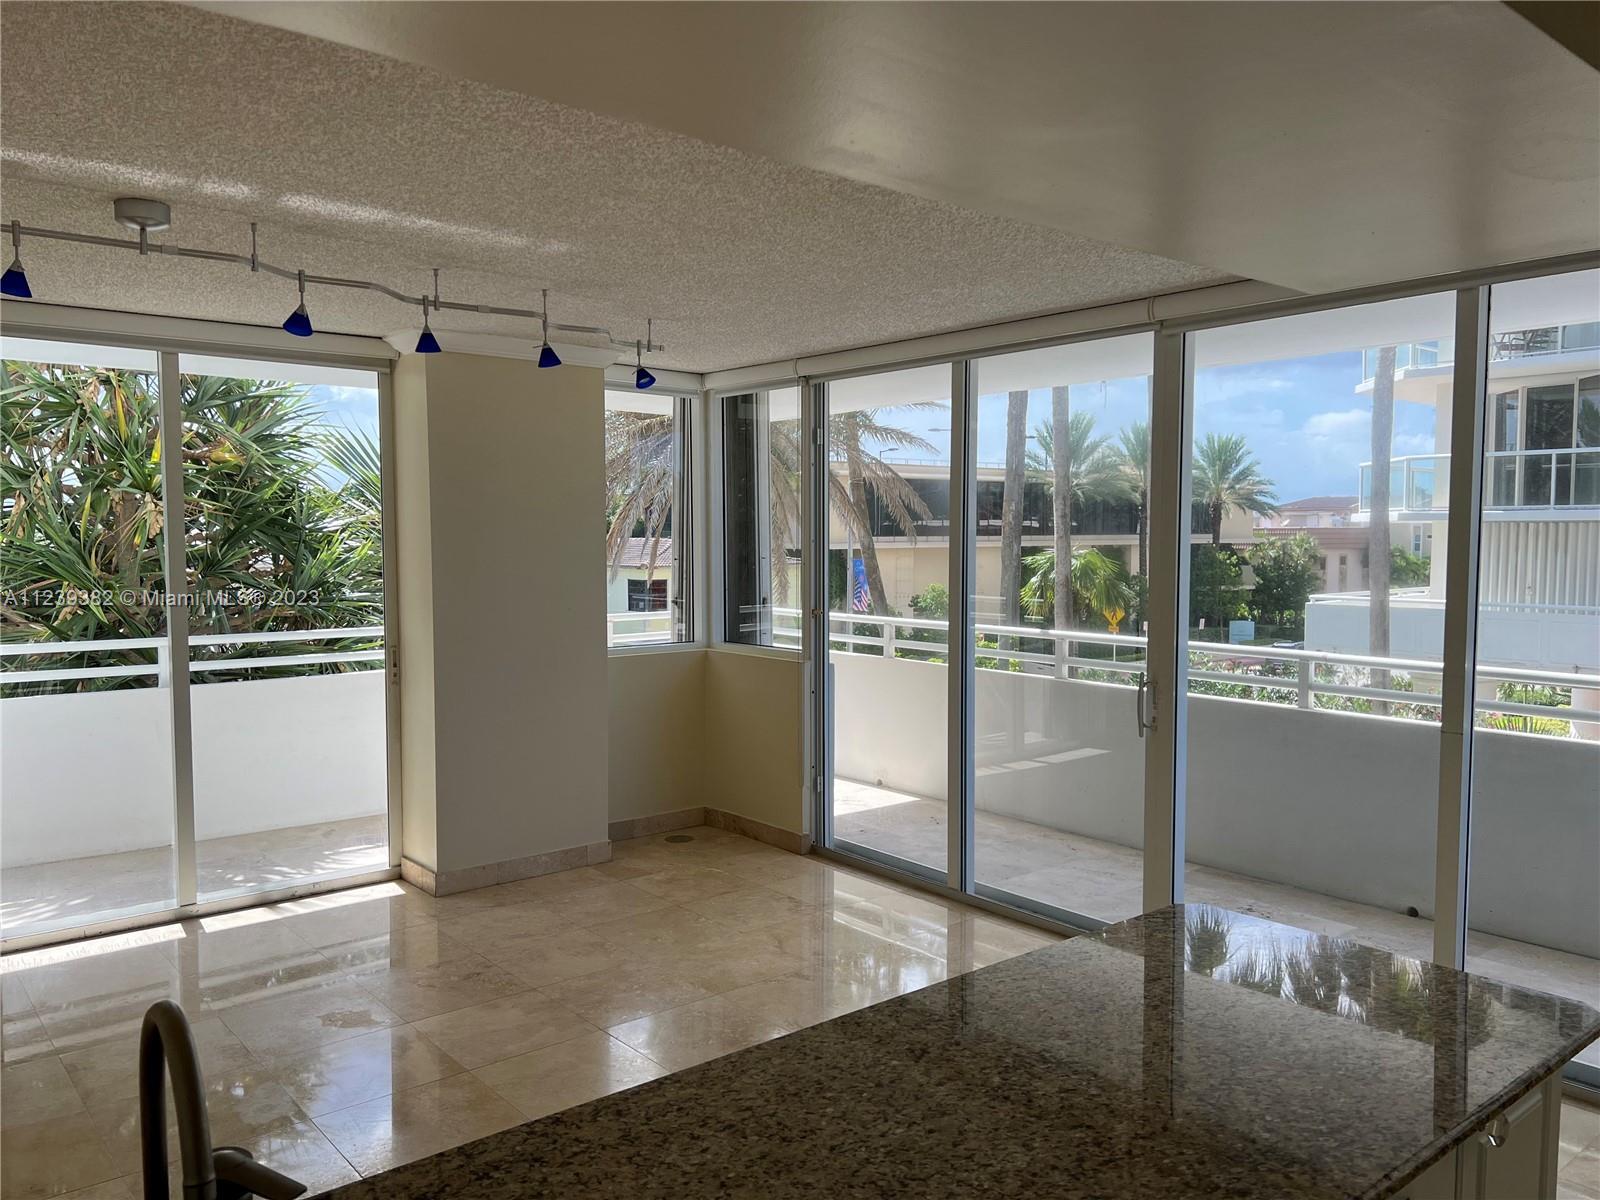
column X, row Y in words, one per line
column 680, row 837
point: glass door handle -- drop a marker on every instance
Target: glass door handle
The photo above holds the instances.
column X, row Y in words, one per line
column 1138, row 705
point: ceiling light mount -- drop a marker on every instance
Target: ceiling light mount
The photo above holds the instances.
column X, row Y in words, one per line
column 144, row 216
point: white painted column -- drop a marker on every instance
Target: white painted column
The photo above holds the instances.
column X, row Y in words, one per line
column 501, row 635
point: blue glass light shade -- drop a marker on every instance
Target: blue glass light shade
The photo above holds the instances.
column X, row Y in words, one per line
column 642, row 379
column 548, row 357
column 427, row 343
column 15, row 282
column 299, row 323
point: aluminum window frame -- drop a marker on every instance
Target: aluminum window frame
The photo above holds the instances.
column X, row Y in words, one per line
column 169, row 338
column 1171, row 399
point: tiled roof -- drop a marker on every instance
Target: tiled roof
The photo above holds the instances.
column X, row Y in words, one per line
column 637, row 553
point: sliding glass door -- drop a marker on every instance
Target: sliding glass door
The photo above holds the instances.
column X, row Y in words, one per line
column 1533, row 890
column 174, row 743
column 86, row 731
column 1061, row 574
column 283, row 512
column 887, row 478
column 1314, row 617
column 1226, row 660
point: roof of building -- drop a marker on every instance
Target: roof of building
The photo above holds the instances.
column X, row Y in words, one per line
column 1320, row 504
column 636, row 553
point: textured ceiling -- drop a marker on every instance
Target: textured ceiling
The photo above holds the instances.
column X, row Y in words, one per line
column 359, row 165
column 1317, row 145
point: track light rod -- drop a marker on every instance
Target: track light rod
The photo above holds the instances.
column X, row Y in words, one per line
column 143, row 246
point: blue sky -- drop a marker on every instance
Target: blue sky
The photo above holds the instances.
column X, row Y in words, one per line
column 1302, row 417
column 354, row 407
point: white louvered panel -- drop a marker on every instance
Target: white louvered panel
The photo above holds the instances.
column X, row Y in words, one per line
column 1541, row 562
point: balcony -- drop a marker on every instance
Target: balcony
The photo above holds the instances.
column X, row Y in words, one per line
column 1513, row 344
column 290, row 773
column 1522, row 480
column 1283, row 755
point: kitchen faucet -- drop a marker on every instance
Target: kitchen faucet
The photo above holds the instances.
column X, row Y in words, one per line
column 166, row 1043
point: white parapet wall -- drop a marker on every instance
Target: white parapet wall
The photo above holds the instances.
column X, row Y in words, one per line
column 90, row 773
column 1337, row 803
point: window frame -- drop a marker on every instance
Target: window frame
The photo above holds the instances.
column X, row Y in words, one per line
column 684, row 563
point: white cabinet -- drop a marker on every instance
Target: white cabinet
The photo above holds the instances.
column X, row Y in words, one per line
column 1511, row 1158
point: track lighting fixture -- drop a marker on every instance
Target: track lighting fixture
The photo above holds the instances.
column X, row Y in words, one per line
column 299, row 321
column 152, row 216
column 427, row 343
column 642, row 379
column 15, row 281
column 547, row 356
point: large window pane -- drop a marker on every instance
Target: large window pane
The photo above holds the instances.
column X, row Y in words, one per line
column 761, row 517
column 1534, row 891
column 1061, row 555
column 283, row 513
column 888, row 571
column 646, row 584
column 1315, row 653
column 86, row 793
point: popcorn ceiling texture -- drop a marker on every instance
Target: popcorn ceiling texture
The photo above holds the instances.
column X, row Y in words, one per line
column 358, row 165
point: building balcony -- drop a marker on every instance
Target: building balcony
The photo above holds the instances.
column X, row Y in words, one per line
column 1541, row 343
column 1517, row 483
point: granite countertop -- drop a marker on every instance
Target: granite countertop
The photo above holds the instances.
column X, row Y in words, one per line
column 1190, row 1052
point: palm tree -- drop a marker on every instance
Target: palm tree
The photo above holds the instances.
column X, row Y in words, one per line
column 1227, row 477
column 1099, row 583
column 1378, row 545
column 641, row 468
column 849, row 435
column 1131, row 457
column 1011, row 512
column 274, row 500
column 866, row 475
column 1061, row 508
column 1080, row 469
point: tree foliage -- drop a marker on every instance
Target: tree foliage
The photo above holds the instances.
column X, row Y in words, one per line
column 1102, row 592
column 1287, row 571
column 282, row 513
column 1227, row 477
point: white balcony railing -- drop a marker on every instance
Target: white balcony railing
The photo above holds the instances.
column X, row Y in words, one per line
column 161, row 667
column 1532, row 479
column 1285, row 675
column 1518, row 343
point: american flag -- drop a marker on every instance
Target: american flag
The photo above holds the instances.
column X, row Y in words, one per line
column 860, row 597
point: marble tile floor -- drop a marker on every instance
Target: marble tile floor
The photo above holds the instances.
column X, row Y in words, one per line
column 77, row 891
column 1104, row 880
column 347, row 1033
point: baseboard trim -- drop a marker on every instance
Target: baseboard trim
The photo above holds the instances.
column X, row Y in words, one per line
column 466, row 879
column 772, row 835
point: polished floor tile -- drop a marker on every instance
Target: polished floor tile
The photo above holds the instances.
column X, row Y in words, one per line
column 624, row 993
column 417, row 1122
column 486, row 1033
column 698, row 1032
column 314, row 1015
column 37, row 1091
column 47, row 1158
column 569, row 1073
column 353, row 1031
column 361, row 1068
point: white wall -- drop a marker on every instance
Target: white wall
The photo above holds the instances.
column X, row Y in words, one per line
column 90, row 773
column 1553, row 641
column 502, row 638
column 658, row 717
column 1338, row 803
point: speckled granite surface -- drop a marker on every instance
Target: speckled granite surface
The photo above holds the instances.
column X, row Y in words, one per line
column 1187, row 1053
